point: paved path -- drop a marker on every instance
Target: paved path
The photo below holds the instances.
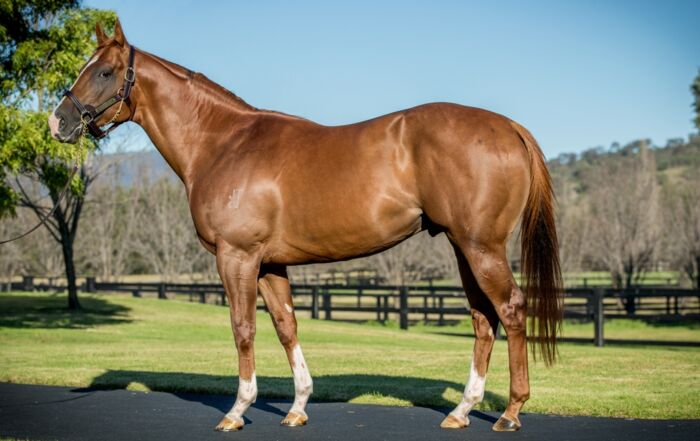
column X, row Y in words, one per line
column 59, row 413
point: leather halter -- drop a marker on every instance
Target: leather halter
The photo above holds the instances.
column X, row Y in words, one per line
column 88, row 113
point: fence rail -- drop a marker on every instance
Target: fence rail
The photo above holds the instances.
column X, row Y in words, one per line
column 431, row 302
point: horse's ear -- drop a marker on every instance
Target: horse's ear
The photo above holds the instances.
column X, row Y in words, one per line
column 100, row 34
column 119, row 33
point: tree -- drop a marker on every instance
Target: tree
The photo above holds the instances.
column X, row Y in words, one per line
column 166, row 240
column 573, row 226
column 417, row 258
column 11, row 258
column 682, row 209
column 625, row 216
column 44, row 43
column 113, row 212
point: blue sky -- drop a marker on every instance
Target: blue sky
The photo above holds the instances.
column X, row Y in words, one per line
column 577, row 74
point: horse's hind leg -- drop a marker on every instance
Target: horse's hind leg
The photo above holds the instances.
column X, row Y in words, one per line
column 490, row 268
column 275, row 289
column 484, row 321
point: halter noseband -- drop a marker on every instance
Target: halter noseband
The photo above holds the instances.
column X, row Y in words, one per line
column 88, row 113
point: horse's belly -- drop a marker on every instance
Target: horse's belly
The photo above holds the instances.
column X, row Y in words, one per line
column 342, row 235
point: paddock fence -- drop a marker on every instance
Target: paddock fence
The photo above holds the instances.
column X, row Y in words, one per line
column 428, row 303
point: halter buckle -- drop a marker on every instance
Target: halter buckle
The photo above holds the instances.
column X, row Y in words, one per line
column 130, row 75
column 86, row 118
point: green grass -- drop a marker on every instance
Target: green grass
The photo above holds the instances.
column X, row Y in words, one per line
column 149, row 344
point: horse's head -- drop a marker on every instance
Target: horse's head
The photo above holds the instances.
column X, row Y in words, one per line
column 100, row 93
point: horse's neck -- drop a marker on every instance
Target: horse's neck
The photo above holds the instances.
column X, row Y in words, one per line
column 182, row 112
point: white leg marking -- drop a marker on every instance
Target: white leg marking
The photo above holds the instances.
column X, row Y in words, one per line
column 247, row 393
column 303, row 385
column 473, row 394
column 288, row 308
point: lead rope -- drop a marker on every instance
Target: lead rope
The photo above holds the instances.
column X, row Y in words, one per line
column 44, row 218
column 112, row 120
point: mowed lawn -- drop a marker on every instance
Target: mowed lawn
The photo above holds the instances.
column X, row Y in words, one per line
column 150, row 344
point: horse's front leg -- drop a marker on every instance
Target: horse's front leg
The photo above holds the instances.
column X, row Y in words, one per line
column 239, row 274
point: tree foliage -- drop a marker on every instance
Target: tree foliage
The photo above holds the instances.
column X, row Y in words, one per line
column 43, row 45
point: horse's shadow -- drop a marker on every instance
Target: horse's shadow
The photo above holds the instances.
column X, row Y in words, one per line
column 330, row 388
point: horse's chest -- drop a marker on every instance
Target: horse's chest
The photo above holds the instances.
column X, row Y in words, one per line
column 237, row 214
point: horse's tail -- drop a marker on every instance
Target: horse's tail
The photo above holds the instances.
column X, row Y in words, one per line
column 542, row 281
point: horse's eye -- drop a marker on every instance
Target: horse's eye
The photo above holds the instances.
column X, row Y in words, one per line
column 105, row 74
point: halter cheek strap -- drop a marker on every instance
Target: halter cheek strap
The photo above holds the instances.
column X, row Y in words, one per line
column 88, row 113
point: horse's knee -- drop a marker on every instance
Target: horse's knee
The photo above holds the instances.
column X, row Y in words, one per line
column 244, row 335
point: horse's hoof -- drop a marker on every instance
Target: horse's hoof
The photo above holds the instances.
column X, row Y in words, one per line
column 506, row 425
column 294, row 419
column 229, row 425
column 453, row 422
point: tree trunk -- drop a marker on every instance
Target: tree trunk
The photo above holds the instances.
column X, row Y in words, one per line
column 630, row 305
column 67, row 245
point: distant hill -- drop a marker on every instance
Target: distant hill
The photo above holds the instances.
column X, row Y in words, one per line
column 679, row 159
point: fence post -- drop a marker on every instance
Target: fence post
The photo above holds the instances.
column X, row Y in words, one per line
column 90, row 284
column 431, row 290
column 161, row 291
column 598, row 317
column 425, row 309
column 675, row 305
column 136, row 293
column 28, row 283
column 441, row 318
column 326, row 304
column 403, row 307
column 314, row 302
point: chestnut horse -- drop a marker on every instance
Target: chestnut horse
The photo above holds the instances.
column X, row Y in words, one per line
column 267, row 190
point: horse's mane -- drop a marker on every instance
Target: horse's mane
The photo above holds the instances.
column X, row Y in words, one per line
column 201, row 81
column 217, row 90
column 212, row 88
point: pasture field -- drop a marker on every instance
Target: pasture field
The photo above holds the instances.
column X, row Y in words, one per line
column 150, row 344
